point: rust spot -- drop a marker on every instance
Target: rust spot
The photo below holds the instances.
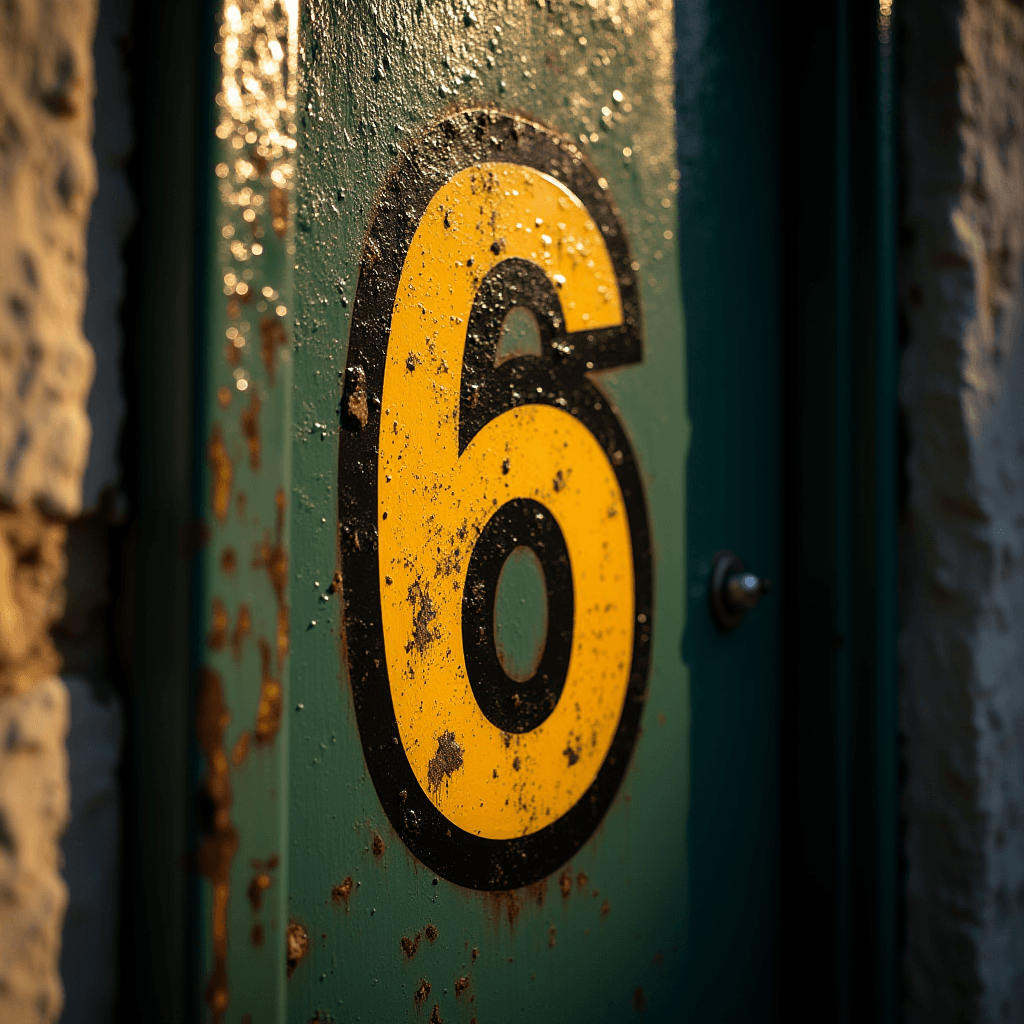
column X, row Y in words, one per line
column 422, row 634
column 268, row 711
column 274, row 558
column 279, row 212
column 565, row 883
column 220, row 839
column 421, row 993
column 552, row 935
column 219, row 627
column 234, row 309
column 341, row 892
column 605, row 907
column 250, row 421
column 475, row 953
column 240, row 751
column 297, row 945
column 224, row 395
column 228, row 561
column 461, row 984
column 435, row 1015
column 639, row 1000
column 409, row 946
column 335, row 587
column 260, row 883
column 257, row 935
column 446, row 761
column 223, row 472
column 272, row 337
column 232, row 355
column 242, row 628
column 581, row 880
column 240, row 505
column 431, row 933
column 377, row 845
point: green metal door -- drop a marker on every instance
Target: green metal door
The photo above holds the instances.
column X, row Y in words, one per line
column 511, row 319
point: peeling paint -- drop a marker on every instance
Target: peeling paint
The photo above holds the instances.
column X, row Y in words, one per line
column 296, row 945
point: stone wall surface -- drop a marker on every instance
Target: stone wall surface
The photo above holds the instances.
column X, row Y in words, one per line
column 962, row 710
column 47, row 179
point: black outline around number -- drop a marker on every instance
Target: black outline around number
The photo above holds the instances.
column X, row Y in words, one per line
column 557, row 377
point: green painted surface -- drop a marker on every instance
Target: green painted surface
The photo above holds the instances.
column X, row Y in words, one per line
column 371, row 81
column 521, row 614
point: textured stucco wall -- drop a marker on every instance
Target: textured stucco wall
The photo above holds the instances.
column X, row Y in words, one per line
column 963, row 393
column 46, row 367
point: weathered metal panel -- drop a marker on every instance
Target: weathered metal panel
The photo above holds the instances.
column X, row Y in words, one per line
column 245, row 504
column 415, row 890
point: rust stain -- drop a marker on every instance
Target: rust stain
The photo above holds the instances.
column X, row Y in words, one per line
column 552, row 935
column 220, row 840
column 257, row 935
column 431, row 933
column 224, row 396
column 508, row 902
column 268, row 711
column 240, row 751
column 409, row 946
column 461, row 984
column 639, row 1000
column 538, row 891
column 377, row 845
column 260, row 883
column 274, row 558
column 341, row 892
column 435, row 1015
column 475, row 953
column 446, row 760
column 223, row 473
column 228, row 561
column 242, row 629
column 297, row 945
column 219, row 627
column 581, row 880
column 240, row 503
column 335, row 587
column 250, row 421
column 565, row 883
column 272, row 337
column 421, row 993
column 605, row 907
column 279, row 211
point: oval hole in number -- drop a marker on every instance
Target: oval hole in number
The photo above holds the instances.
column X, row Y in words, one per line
column 521, row 614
